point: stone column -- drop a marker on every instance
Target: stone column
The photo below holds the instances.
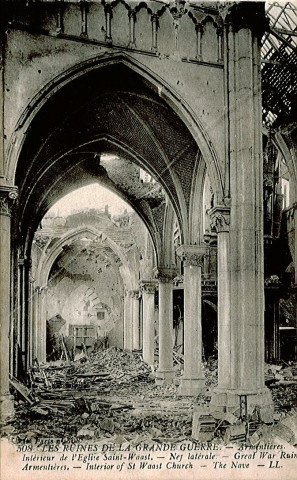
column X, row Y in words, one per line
column 148, row 306
column 220, row 220
column 59, row 19
column 135, row 320
column 21, row 315
column 295, row 249
column 2, row 85
column 291, row 215
column 193, row 381
column 31, row 326
column 8, row 196
column 199, row 30
column 39, row 333
column 272, row 337
column 165, row 373
column 26, row 321
column 84, row 19
column 42, row 314
column 22, row 327
column 293, row 223
column 128, row 343
column 108, row 16
column 154, row 19
column 32, row 339
column 132, row 20
column 244, row 23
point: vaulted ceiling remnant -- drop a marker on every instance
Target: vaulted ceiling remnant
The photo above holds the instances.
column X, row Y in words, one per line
column 105, row 127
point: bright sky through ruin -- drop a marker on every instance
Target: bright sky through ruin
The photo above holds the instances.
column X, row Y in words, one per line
column 91, row 196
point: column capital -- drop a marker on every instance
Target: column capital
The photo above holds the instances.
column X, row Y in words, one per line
column 132, row 293
column 8, row 197
column 178, row 279
column 147, row 286
column 220, row 218
column 165, row 274
column 192, row 255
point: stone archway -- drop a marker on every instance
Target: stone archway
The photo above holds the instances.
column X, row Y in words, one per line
column 39, row 298
column 46, row 262
column 70, row 152
column 108, row 142
column 156, row 82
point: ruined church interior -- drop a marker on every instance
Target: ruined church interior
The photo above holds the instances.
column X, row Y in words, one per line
column 148, row 192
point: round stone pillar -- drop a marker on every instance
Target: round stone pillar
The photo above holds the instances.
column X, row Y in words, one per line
column 35, row 332
column 192, row 382
column 8, row 196
column 220, row 220
column 135, row 320
column 32, row 336
column 128, row 339
column 148, row 315
column 165, row 373
column 294, row 228
column 242, row 373
column 40, row 300
column 20, row 329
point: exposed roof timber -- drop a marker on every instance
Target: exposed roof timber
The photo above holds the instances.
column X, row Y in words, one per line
column 276, row 11
column 275, row 48
column 274, row 18
column 282, row 39
column 285, row 32
column 280, row 64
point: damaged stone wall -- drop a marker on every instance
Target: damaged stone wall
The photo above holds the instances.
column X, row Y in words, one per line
column 97, row 257
column 86, row 290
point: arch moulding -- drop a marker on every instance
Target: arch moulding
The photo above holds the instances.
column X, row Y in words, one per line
column 172, row 98
column 48, row 258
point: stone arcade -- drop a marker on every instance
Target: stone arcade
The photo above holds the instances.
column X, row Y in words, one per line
column 107, row 91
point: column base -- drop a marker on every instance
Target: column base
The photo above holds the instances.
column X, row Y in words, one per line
column 165, row 376
column 191, row 386
column 224, row 400
column 6, row 406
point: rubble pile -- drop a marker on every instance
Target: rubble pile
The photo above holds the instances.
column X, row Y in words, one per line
column 254, row 426
column 109, row 393
column 210, row 370
column 112, row 394
column 282, row 432
column 282, row 381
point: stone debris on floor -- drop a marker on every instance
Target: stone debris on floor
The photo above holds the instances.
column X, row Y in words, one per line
column 112, row 394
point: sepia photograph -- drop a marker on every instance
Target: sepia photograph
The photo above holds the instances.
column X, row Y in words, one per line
column 148, row 240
